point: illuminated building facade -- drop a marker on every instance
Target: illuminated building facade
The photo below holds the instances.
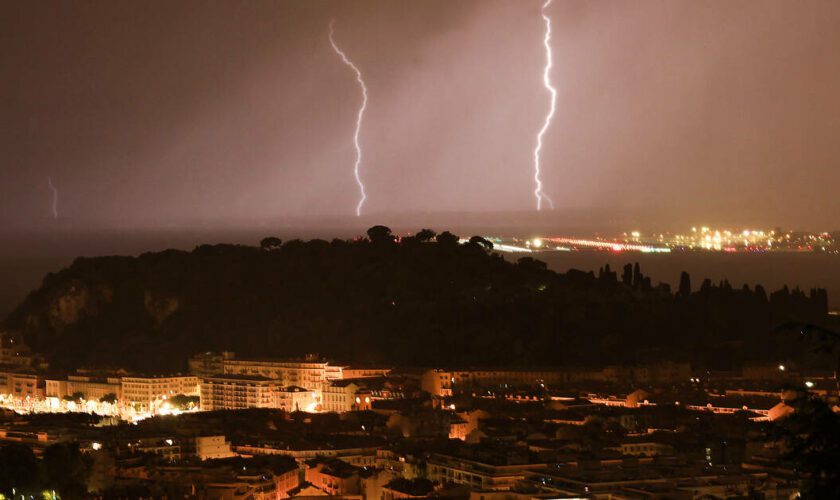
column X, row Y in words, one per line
column 309, row 374
column 363, row 372
column 340, row 396
column 212, row 447
column 90, row 387
column 295, row 398
column 237, row 392
column 145, row 393
column 21, row 385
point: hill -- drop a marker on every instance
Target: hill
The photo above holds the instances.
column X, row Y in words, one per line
column 417, row 301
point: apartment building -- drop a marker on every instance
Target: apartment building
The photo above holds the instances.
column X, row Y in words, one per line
column 295, row 398
column 21, row 385
column 479, row 475
column 144, row 393
column 446, row 382
column 212, row 447
column 309, row 373
column 92, row 388
column 236, row 392
column 339, row 396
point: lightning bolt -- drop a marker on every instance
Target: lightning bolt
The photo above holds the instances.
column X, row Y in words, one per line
column 538, row 192
column 55, row 197
column 359, row 117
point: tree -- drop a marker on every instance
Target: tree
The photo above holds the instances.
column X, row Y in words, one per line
column 478, row 240
column 102, row 471
column 812, row 437
column 63, row 469
column 627, row 275
column 77, row 397
column 18, row 469
column 380, row 235
column 637, row 276
column 409, row 241
column 811, row 434
column 183, row 402
column 532, row 264
column 447, row 239
column 109, row 398
column 425, row 235
column 685, row 285
column 270, row 243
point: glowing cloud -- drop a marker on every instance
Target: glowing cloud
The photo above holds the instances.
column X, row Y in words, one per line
column 360, row 115
column 538, row 192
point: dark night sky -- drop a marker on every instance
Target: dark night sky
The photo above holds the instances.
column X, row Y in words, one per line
column 157, row 111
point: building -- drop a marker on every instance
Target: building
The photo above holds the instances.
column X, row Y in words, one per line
column 644, row 448
column 212, row 447
column 447, row 382
column 207, row 364
column 310, row 373
column 364, row 372
column 236, row 392
column 485, row 475
column 146, row 394
column 399, row 488
column 91, row 388
column 339, row 396
column 14, row 353
column 167, row 448
column 21, row 385
column 295, row 398
column 647, row 478
column 359, row 454
column 335, row 477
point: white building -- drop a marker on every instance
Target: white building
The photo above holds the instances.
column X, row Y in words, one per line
column 146, row 394
column 236, row 392
column 91, row 388
column 297, row 399
column 339, row 396
column 212, row 447
column 310, row 373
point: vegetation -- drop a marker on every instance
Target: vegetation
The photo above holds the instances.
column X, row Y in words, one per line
column 422, row 300
column 182, row 402
column 62, row 469
column 811, row 434
column 109, row 398
column 76, row 397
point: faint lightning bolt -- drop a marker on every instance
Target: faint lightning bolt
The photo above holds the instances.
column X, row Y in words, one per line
column 55, row 197
column 348, row 62
column 538, row 192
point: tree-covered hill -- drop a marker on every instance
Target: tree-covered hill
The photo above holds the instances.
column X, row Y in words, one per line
column 423, row 300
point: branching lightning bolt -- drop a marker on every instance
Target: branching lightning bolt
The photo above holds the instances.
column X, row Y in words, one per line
column 538, row 192
column 55, row 197
column 360, row 115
